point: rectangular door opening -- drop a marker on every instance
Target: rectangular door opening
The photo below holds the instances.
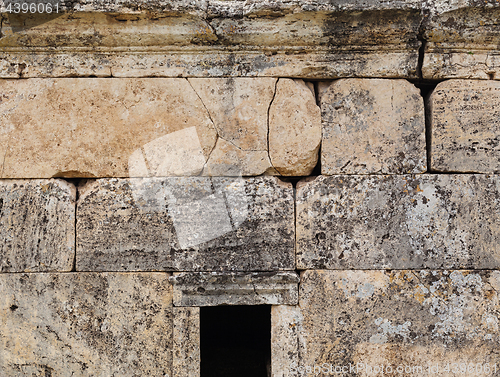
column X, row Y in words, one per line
column 235, row 341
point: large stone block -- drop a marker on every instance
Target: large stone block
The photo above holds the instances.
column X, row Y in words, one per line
column 294, row 128
column 465, row 124
column 426, row 321
column 37, row 225
column 186, row 224
column 372, row 126
column 85, row 324
column 408, row 221
column 103, row 128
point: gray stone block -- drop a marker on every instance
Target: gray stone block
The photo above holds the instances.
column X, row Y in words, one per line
column 37, row 225
column 257, row 288
column 186, row 224
column 85, row 324
column 427, row 319
column 404, row 221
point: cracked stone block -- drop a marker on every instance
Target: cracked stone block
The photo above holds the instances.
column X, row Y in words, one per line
column 226, row 288
column 294, row 128
column 399, row 221
column 186, row 224
column 372, row 126
column 86, row 324
column 102, row 127
column 425, row 320
column 239, row 109
column 37, row 225
column 465, row 124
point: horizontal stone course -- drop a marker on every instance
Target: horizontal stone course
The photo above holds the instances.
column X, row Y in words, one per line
column 403, row 221
column 465, row 126
column 186, row 224
column 393, row 318
column 85, row 324
column 37, row 225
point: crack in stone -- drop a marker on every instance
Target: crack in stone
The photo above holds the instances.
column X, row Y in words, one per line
column 4, row 158
column 269, row 126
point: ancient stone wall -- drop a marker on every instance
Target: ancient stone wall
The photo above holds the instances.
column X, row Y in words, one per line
column 337, row 161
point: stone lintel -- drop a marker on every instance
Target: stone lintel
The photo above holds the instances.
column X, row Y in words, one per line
column 230, row 288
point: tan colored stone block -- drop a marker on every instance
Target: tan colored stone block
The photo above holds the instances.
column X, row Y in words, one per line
column 102, row 127
column 186, row 350
column 86, row 324
column 239, row 109
column 186, row 224
column 294, row 128
column 372, row 126
column 37, row 225
column 424, row 319
column 398, row 221
column 465, row 123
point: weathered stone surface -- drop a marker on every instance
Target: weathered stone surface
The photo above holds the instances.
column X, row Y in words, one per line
column 255, row 288
column 102, row 127
column 286, row 325
column 85, row 324
column 400, row 318
column 462, row 40
column 186, row 350
column 37, row 225
column 372, row 126
column 294, row 128
column 239, row 109
column 220, row 39
column 186, row 224
column 409, row 221
column 465, row 124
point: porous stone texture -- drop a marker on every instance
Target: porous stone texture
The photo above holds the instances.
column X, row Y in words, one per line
column 239, row 109
column 411, row 318
column 286, row 325
column 372, row 126
column 294, row 128
column 37, row 225
column 186, row 350
column 102, row 128
column 404, row 221
column 214, row 39
column 85, row 324
column 186, row 224
column 465, row 126
column 213, row 289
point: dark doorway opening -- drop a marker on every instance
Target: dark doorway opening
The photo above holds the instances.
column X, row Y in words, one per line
column 235, row 341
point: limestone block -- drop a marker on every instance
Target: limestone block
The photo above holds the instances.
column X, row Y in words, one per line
column 103, row 128
column 465, row 123
column 239, row 109
column 416, row 319
column 86, row 324
column 294, row 128
column 186, row 351
column 226, row 288
column 404, row 221
column 186, row 224
column 37, row 225
column 372, row 126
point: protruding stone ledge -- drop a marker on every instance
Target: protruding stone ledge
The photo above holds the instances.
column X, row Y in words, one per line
column 465, row 126
column 228, row 288
column 86, row 324
column 186, row 224
column 37, row 225
column 398, row 222
column 392, row 318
